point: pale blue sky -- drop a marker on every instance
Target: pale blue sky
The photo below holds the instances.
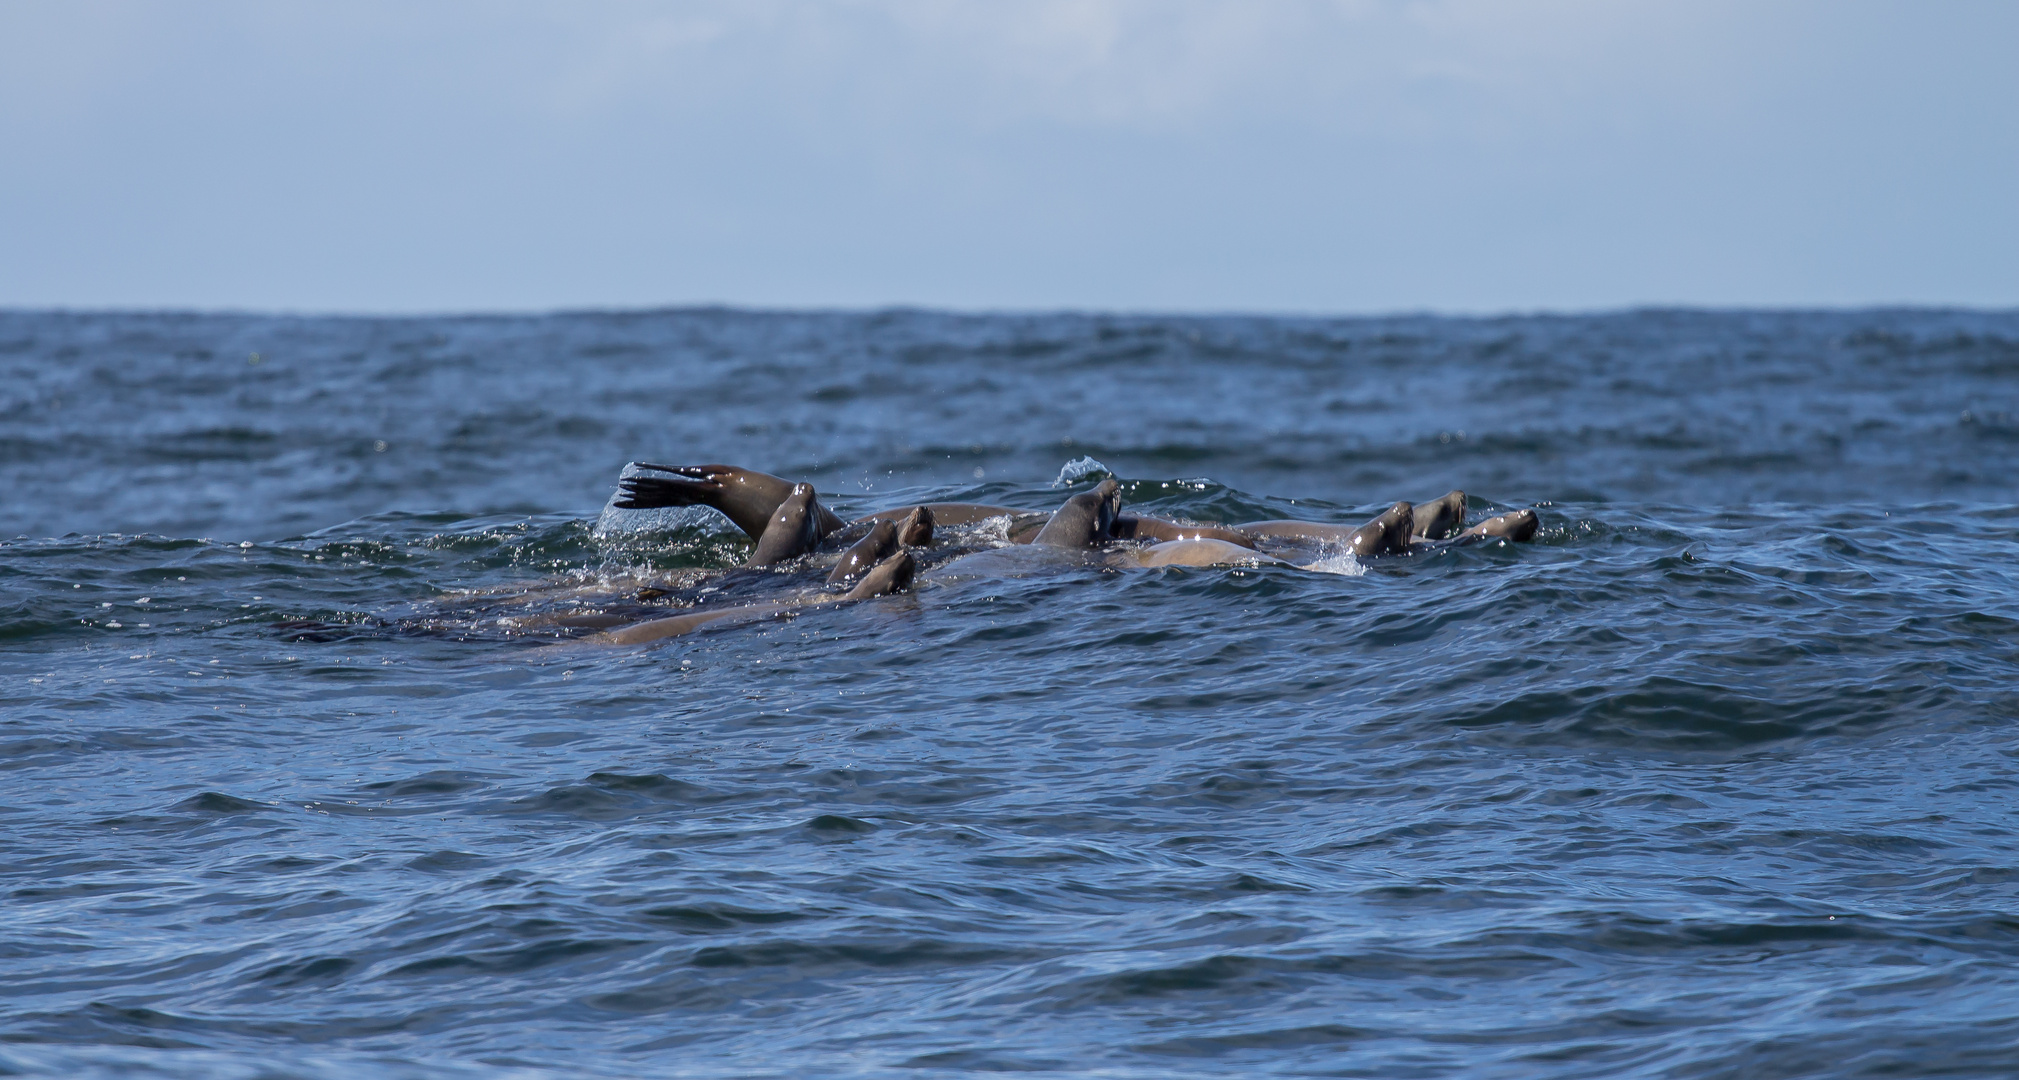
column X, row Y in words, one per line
column 1268, row 155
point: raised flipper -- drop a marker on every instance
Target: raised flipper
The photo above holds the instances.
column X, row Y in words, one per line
column 744, row 496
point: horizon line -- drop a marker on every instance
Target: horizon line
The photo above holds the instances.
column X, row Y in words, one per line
column 984, row 312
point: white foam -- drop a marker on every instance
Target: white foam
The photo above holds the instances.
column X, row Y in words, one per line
column 1345, row 564
column 995, row 530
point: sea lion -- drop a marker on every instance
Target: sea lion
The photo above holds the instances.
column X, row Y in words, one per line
column 893, row 574
column 1395, row 531
column 1203, row 551
column 795, row 523
column 1025, row 526
column 1132, row 527
column 917, row 527
column 744, row 496
column 1387, row 534
column 1085, row 520
column 793, row 529
column 751, row 499
column 1438, row 518
column 1518, row 525
column 1433, row 520
column 1292, row 529
column 867, row 552
column 948, row 513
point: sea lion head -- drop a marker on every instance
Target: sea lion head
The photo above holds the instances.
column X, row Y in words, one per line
column 793, row 530
column 1086, row 519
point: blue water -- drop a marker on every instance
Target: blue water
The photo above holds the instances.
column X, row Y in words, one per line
column 1716, row 778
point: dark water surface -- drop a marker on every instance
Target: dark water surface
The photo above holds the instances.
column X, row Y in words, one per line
column 1715, row 779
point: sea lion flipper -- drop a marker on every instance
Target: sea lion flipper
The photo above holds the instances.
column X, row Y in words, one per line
column 745, row 496
column 654, row 492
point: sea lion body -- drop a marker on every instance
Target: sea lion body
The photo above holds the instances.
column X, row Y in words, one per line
column 1289, row 529
column 1202, row 551
column 656, row 629
column 948, row 513
column 893, row 574
column 1131, row 527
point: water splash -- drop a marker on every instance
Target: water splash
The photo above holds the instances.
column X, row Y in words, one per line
column 615, row 524
column 1078, row 469
column 1345, row 564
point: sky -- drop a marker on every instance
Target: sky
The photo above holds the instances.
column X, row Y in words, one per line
column 1311, row 156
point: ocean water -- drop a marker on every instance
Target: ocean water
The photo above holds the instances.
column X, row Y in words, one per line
column 1716, row 778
